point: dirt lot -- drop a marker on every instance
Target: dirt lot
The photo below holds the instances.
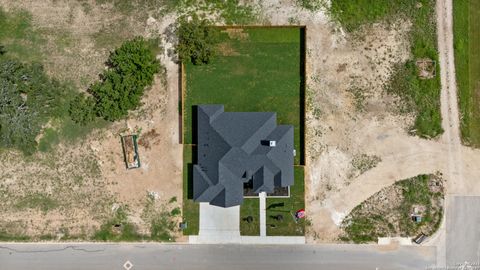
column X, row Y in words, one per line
column 72, row 190
column 350, row 117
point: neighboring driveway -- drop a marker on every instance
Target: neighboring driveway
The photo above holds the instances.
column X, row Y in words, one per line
column 219, row 224
column 463, row 232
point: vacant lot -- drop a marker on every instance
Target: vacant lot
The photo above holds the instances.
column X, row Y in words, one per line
column 76, row 186
column 256, row 69
column 467, row 62
column 388, row 213
column 419, row 96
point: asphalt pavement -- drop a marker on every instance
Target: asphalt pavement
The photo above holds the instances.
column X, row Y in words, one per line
column 211, row 257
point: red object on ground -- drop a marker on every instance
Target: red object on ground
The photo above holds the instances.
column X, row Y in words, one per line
column 300, row 213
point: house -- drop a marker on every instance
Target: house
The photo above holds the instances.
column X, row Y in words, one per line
column 234, row 148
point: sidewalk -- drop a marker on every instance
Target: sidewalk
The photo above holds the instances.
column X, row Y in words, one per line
column 263, row 213
column 264, row 240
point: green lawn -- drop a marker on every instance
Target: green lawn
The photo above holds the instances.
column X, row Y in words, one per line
column 250, row 207
column 258, row 70
column 290, row 205
column 190, row 208
column 421, row 97
column 467, row 63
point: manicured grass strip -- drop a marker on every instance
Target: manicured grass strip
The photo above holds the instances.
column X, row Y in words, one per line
column 288, row 227
column 257, row 70
column 191, row 210
column 467, row 64
column 474, row 68
column 461, row 47
column 250, row 207
column 421, row 97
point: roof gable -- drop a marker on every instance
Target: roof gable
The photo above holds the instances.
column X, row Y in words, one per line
column 233, row 147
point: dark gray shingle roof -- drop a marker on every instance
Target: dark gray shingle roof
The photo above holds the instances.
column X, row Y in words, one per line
column 233, row 148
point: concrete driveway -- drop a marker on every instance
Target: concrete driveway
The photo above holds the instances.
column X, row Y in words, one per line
column 219, row 224
column 463, row 233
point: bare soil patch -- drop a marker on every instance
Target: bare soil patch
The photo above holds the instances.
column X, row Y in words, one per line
column 236, row 33
column 426, row 68
column 226, row 49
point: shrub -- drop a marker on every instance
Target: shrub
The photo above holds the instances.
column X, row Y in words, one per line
column 132, row 68
column 18, row 123
column 135, row 58
column 82, row 109
column 196, row 40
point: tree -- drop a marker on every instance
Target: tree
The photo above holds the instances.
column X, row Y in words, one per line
column 28, row 99
column 82, row 109
column 196, row 40
column 135, row 58
column 132, row 68
column 18, row 124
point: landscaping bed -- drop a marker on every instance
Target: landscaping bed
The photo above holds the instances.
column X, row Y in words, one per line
column 392, row 211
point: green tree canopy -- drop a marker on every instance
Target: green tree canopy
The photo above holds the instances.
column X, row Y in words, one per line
column 131, row 68
column 196, row 40
column 28, row 99
column 82, row 109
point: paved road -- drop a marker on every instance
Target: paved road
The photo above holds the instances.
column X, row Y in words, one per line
column 231, row 257
column 463, row 231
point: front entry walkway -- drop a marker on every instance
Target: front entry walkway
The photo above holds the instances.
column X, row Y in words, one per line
column 263, row 213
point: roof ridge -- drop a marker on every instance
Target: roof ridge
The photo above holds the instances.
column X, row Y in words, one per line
column 260, row 129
